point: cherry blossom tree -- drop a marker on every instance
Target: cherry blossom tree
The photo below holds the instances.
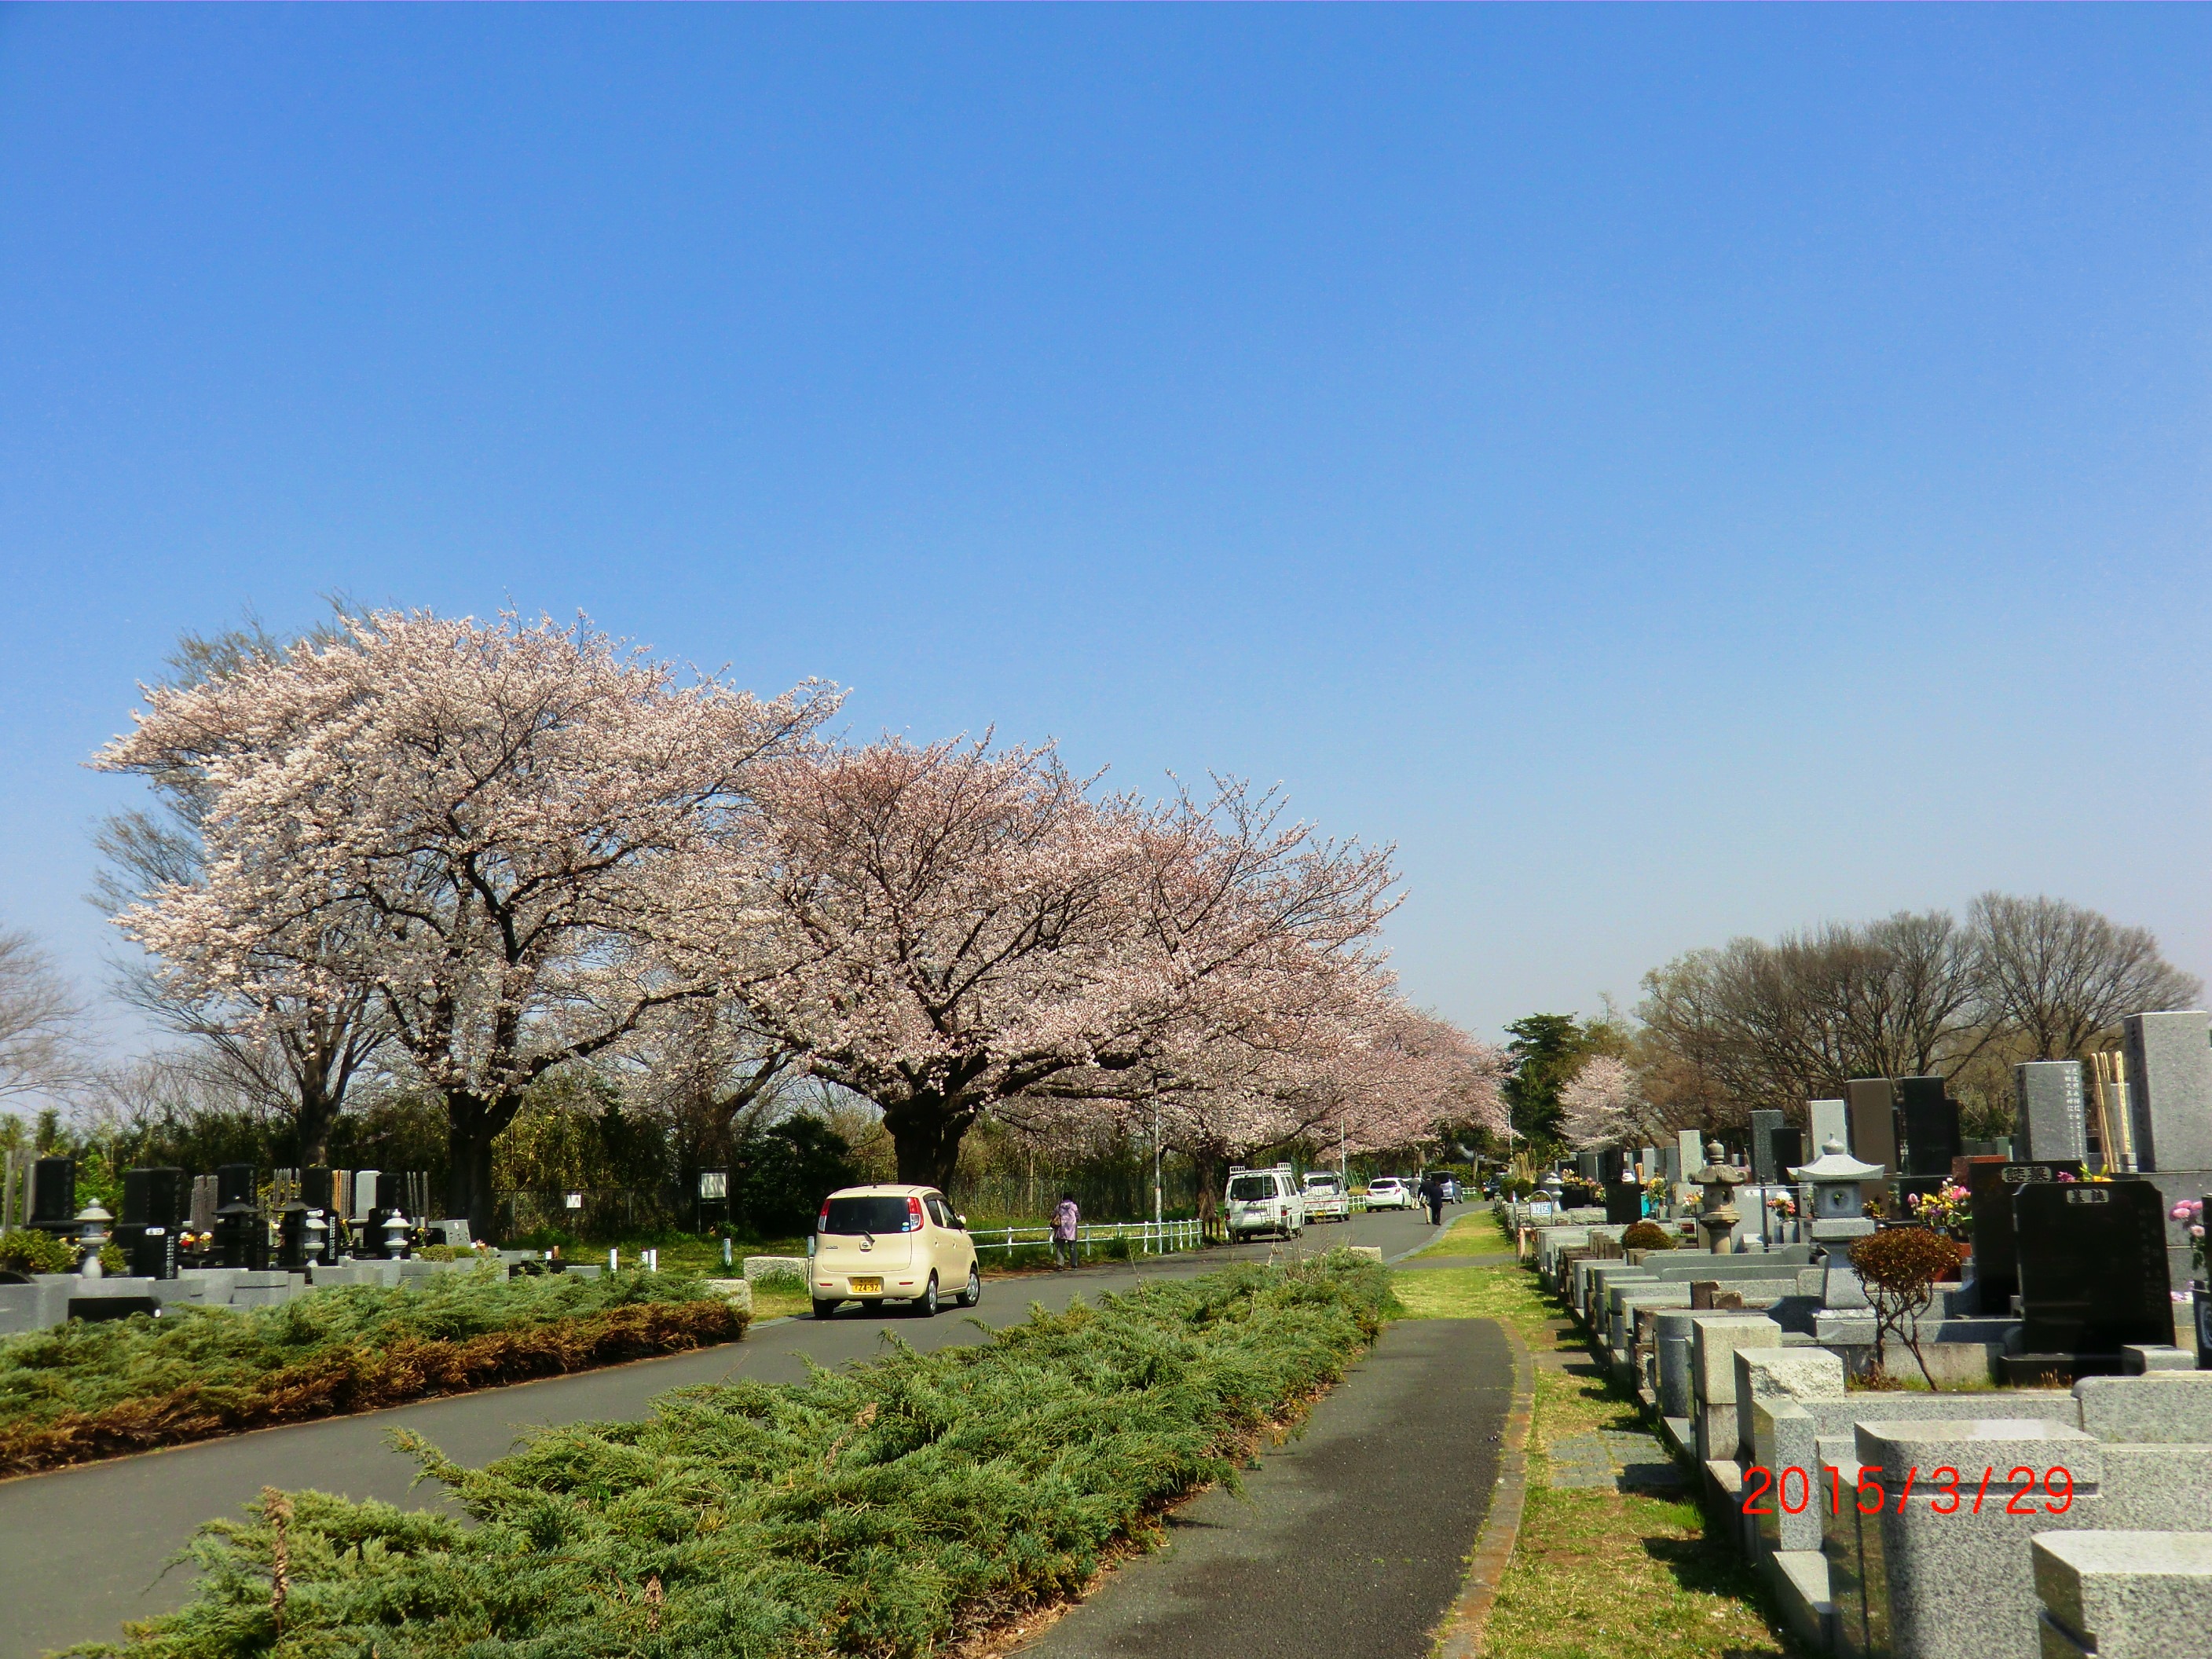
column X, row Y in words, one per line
column 956, row 930
column 514, row 837
column 299, row 1055
column 1603, row 1105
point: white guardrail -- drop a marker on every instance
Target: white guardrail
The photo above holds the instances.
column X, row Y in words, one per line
column 1147, row 1237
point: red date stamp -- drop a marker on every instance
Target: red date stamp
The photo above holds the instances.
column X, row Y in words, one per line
column 2055, row 1484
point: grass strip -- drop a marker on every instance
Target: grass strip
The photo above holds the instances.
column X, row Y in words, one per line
column 889, row 1511
column 1594, row 1571
column 85, row 1391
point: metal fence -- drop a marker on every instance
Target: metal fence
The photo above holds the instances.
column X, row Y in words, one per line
column 1096, row 1238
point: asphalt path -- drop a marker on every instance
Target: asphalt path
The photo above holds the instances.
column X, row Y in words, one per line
column 1350, row 1541
column 83, row 1549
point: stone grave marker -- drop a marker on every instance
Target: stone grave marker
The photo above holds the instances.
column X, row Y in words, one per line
column 2170, row 1092
column 1931, row 1126
column 1764, row 1123
column 1992, row 1183
column 2053, row 1116
column 54, row 1195
column 2092, row 1275
column 1830, row 1120
column 1872, row 1105
column 1624, row 1202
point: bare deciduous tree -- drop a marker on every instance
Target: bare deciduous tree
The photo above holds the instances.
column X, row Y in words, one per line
column 41, row 1022
column 2062, row 975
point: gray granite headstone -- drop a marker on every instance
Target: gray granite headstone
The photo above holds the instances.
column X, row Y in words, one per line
column 1689, row 1152
column 2052, row 1119
column 2170, row 1091
column 1832, row 1120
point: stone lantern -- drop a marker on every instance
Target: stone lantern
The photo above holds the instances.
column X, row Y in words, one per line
column 92, row 1233
column 1717, row 1214
column 1837, row 1210
column 395, row 1235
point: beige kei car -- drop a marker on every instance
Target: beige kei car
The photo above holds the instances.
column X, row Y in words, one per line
column 878, row 1244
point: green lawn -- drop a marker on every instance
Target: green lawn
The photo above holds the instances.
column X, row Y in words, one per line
column 1595, row 1574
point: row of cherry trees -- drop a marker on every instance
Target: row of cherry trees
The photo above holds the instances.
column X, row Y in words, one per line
column 486, row 851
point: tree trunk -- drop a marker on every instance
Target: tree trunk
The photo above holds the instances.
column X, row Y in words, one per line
column 1210, row 1165
column 318, row 1113
column 472, row 1124
column 925, row 1131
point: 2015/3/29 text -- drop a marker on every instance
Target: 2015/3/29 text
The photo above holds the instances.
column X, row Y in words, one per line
column 2056, row 1484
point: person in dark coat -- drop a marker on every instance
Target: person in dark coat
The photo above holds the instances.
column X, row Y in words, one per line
column 1432, row 1194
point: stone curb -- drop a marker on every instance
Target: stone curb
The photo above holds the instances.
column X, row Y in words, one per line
column 1460, row 1637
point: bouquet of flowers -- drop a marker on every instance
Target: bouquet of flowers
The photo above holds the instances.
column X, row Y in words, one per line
column 1944, row 1210
column 2191, row 1210
column 1784, row 1205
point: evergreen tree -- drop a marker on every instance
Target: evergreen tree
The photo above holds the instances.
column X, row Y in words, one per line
column 1546, row 1050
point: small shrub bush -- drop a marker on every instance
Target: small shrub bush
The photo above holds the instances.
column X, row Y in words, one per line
column 891, row 1510
column 1901, row 1268
column 27, row 1251
column 1647, row 1236
column 82, row 1391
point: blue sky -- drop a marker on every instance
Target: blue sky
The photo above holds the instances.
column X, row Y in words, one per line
column 1675, row 472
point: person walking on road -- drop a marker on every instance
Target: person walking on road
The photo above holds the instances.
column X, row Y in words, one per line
column 1432, row 1194
column 1065, row 1220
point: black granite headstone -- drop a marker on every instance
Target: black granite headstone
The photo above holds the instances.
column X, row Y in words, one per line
column 1624, row 1203
column 1990, row 1186
column 2093, row 1271
column 54, row 1195
column 150, row 1250
column 1931, row 1121
column 233, row 1184
column 154, row 1197
column 1764, row 1123
column 1787, row 1142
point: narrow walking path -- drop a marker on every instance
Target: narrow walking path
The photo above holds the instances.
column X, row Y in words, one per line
column 1350, row 1541
column 83, row 1549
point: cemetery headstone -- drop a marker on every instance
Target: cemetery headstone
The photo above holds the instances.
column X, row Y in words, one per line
column 1670, row 1163
column 1931, row 1126
column 1591, row 1167
column 2170, row 1095
column 233, row 1184
column 1689, row 1152
column 1763, row 1123
column 1872, row 1105
column 54, row 1195
column 2053, row 1111
column 203, row 1204
column 1786, row 1149
column 1830, row 1120
column 1991, row 1184
column 1624, row 1203
column 364, row 1193
column 2092, row 1276
column 154, row 1197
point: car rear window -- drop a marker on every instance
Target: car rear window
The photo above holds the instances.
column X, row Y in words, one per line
column 1248, row 1188
column 868, row 1215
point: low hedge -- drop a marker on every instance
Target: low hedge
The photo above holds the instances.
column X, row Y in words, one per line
column 82, row 1391
column 886, row 1510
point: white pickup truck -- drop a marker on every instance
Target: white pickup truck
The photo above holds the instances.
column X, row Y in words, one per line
column 1326, row 1198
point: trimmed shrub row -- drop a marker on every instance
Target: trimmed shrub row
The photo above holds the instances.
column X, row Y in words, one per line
column 884, row 1510
column 84, row 1391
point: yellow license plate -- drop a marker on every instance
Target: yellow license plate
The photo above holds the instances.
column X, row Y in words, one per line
column 865, row 1286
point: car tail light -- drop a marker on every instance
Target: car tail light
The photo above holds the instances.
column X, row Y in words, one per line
column 913, row 1215
column 822, row 1221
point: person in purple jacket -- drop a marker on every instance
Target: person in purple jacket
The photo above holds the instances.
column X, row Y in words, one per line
column 1064, row 1217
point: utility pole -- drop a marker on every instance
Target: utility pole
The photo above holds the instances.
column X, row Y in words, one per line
column 1156, row 1211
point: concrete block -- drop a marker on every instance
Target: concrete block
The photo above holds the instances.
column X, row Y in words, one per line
column 1959, row 1584
column 1677, row 1395
column 2126, row 1595
column 737, row 1291
column 1782, row 1440
column 1782, row 1374
column 1715, row 1337
column 1799, row 1579
column 2150, row 1488
column 2140, row 1357
column 2163, row 1408
column 38, row 1306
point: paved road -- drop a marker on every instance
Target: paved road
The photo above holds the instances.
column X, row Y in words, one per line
column 83, row 1549
column 1351, row 1541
